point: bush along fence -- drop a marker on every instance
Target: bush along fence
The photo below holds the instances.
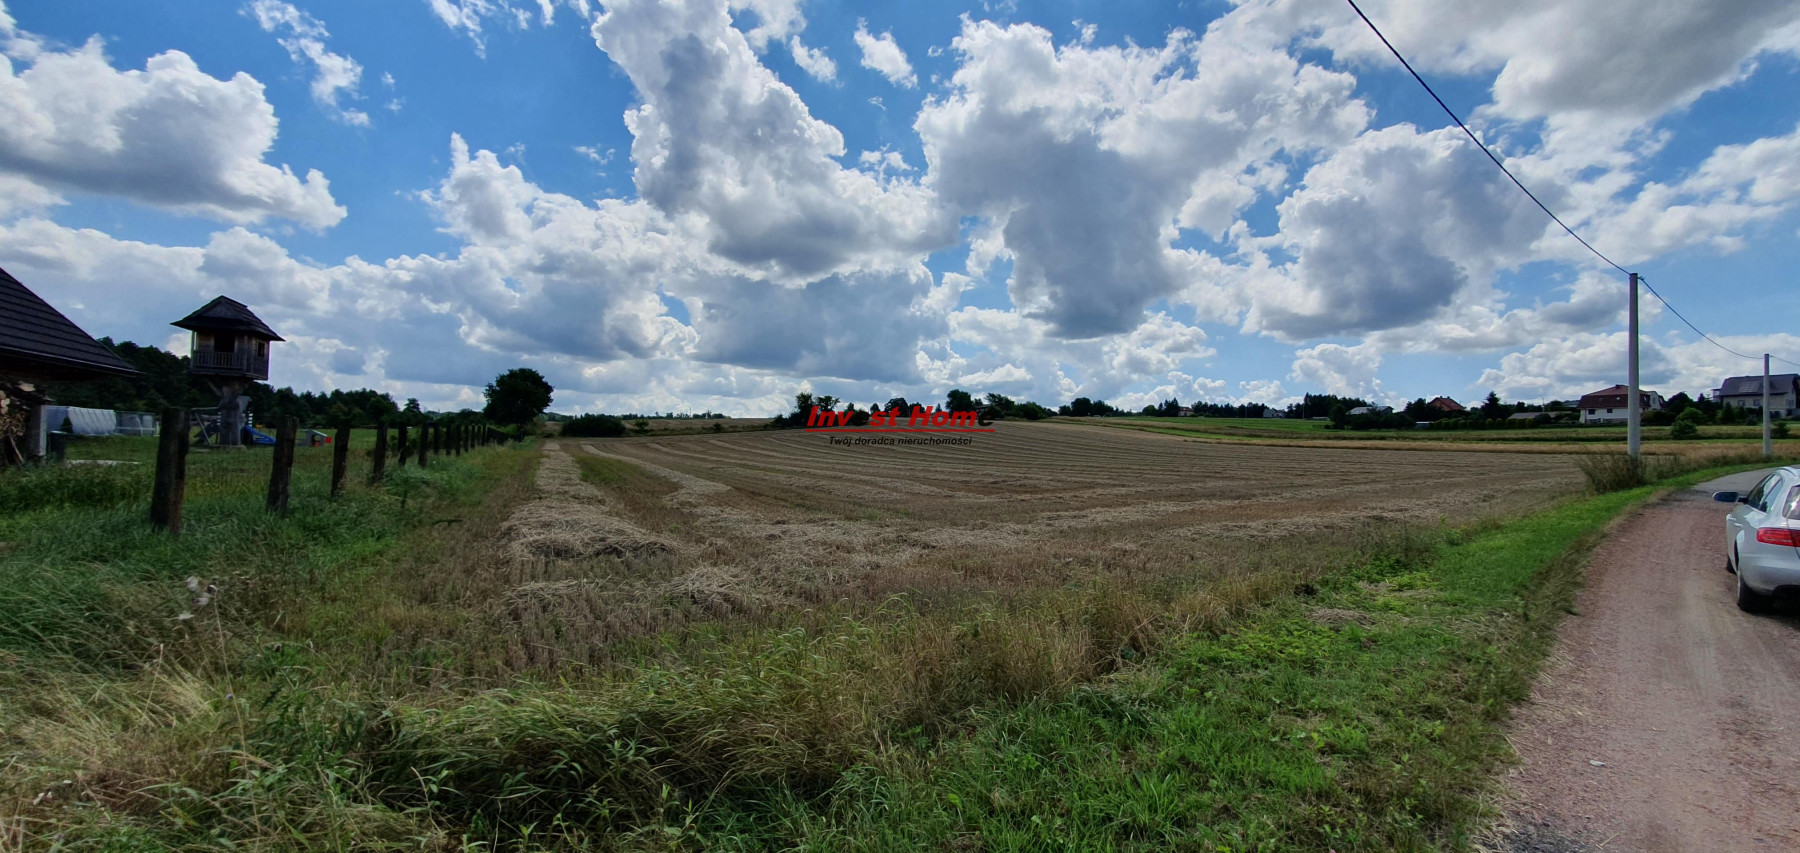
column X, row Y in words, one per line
column 430, row 439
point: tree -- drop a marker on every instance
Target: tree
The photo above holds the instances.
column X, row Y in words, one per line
column 959, row 400
column 517, row 396
column 1493, row 409
column 1000, row 404
column 1683, row 429
column 1340, row 416
column 1420, row 410
column 1678, row 403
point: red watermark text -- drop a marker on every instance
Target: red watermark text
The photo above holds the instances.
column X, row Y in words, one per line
column 919, row 419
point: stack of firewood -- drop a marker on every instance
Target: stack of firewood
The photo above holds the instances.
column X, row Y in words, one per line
column 17, row 399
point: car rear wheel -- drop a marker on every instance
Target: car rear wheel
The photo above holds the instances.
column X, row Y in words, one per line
column 1749, row 600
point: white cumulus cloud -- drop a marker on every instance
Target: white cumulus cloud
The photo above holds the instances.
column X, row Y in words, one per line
column 335, row 77
column 882, row 54
column 169, row 135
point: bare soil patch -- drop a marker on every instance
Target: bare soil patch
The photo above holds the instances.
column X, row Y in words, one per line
column 799, row 519
column 1666, row 718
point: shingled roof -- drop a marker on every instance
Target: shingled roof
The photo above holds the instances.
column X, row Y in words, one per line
column 1738, row 386
column 36, row 340
column 225, row 314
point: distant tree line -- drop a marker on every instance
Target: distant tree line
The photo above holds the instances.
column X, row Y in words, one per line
column 515, row 397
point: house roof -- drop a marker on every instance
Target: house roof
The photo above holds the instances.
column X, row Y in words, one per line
column 1744, row 385
column 1446, row 404
column 37, row 340
column 1620, row 391
column 225, row 314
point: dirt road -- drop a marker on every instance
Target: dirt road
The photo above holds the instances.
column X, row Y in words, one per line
column 1666, row 720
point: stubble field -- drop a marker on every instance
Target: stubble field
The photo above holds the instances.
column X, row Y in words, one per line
column 761, row 641
column 782, row 519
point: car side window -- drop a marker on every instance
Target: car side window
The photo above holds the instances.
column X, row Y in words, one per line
column 1754, row 500
column 1790, row 508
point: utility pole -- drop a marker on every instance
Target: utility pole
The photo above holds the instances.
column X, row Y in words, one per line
column 1634, row 429
column 1768, row 439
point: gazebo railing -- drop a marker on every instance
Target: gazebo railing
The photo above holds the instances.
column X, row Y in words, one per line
column 234, row 362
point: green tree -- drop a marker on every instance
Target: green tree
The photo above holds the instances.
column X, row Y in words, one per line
column 1683, row 429
column 959, row 400
column 1493, row 409
column 1340, row 416
column 517, row 396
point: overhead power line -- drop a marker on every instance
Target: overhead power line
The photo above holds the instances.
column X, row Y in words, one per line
column 1478, row 143
column 1533, row 196
column 1690, row 324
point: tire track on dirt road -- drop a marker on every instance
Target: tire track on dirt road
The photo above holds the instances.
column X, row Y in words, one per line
column 1667, row 720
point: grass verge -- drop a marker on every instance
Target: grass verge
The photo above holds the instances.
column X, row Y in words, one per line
column 350, row 693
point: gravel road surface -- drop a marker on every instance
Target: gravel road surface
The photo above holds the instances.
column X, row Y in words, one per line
column 1666, row 720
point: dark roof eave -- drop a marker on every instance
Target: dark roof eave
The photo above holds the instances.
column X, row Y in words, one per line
column 54, row 367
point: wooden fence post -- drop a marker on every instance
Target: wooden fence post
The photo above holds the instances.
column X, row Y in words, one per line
column 282, row 470
column 403, row 447
column 456, row 432
column 340, row 460
column 425, row 441
column 171, row 472
column 378, row 469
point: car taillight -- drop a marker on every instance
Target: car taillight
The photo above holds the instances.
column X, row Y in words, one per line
column 1778, row 536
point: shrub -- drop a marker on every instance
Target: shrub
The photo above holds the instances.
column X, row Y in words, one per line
column 1613, row 472
column 593, row 426
column 1780, row 430
column 1684, row 429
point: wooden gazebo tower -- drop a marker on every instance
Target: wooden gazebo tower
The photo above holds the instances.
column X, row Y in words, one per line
column 230, row 350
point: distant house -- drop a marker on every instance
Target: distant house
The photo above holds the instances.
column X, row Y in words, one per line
column 1446, row 405
column 1609, row 405
column 37, row 343
column 1745, row 392
column 1527, row 416
column 1186, row 411
column 1274, row 413
column 1370, row 410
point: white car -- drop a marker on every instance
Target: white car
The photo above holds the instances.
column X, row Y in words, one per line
column 1763, row 539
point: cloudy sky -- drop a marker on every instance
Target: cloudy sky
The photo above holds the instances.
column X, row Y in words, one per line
column 711, row 204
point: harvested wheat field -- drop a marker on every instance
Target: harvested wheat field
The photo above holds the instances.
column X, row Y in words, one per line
column 771, row 641
column 757, row 524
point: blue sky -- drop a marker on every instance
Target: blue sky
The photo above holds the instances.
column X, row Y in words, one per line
column 712, row 204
